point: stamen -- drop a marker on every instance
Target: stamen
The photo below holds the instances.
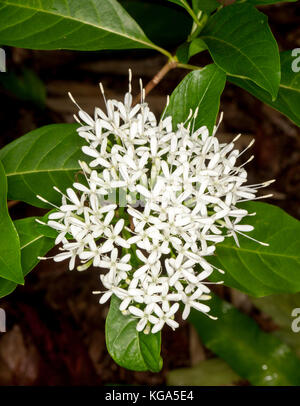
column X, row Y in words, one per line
column 256, row 198
column 251, row 238
column 41, row 222
column 129, row 80
column 46, row 201
column 74, row 101
column 103, row 93
column 249, row 160
column 77, row 119
column 236, row 138
column 244, row 150
column 141, row 90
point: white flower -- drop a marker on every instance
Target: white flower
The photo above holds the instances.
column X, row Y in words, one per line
column 165, row 317
column 145, row 316
column 155, row 202
column 193, row 301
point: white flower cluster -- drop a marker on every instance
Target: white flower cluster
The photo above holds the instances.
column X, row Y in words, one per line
column 154, row 203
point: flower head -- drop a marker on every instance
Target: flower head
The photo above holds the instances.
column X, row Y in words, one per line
column 155, row 202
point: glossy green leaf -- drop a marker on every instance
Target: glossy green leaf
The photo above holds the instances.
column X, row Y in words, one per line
column 265, row 2
column 241, row 43
column 257, row 356
column 288, row 99
column 259, row 270
column 6, row 287
column 182, row 3
column 33, row 243
column 41, row 159
column 280, row 308
column 185, row 4
column 10, row 262
column 210, row 372
column 182, row 52
column 25, row 86
column 196, row 46
column 129, row 348
column 204, row 5
column 188, row 49
column 69, row 24
column 199, row 89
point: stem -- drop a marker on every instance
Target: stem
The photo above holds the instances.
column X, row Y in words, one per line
column 12, row 203
column 199, row 28
column 171, row 64
column 202, row 23
column 187, row 66
column 162, row 51
column 190, row 11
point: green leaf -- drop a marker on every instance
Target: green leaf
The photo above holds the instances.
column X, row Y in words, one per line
column 33, row 243
column 196, row 46
column 129, row 348
column 241, row 43
column 185, row 4
column 25, row 86
column 259, row 270
column 208, row 6
column 41, row 159
column 210, row 372
column 6, row 287
column 182, row 52
column 259, row 357
column 188, row 49
column 280, row 308
column 202, row 89
column 288, row 99
column 166, row 18
column 10, row 263
column 182, row 3
column 69, row 24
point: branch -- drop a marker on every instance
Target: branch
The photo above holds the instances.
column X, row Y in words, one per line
column 156, row 79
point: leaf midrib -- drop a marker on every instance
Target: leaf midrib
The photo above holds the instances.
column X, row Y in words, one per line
column 32, row 241
column 256, row 252
column 42, row 171
column 148, row 44
column 289, row 88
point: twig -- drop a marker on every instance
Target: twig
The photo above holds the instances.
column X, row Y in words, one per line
column 156, row 79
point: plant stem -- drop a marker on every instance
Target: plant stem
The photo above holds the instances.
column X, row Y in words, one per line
column 202, row 22
column 187, row 66
column 162, row 51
